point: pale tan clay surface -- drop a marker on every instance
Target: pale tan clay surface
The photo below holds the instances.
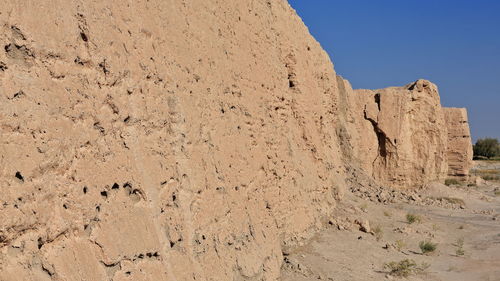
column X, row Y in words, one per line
column 459, row 142
column 400, row 134
column 185, row 140
column 162, row 140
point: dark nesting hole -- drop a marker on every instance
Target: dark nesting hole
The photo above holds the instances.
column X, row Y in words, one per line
column 85, row 190
column 291, row 83
column 172, row 244
column 104, row 68
column 126, row 119
column 174, row 197
column 127, row 185
column 40, row 243
column 98, row 208
column 136, row 191
column 98, row 127
column 19, row 176
column 150, row 255
column 84, row 36
column 104, row 193
column 78, row 60
column 115, row 186
column 140, row 256
column 65, row 206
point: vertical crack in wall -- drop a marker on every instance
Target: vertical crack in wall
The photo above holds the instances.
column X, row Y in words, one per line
column 384, row 143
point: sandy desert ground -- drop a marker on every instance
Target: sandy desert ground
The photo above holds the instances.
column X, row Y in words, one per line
column 462, row 220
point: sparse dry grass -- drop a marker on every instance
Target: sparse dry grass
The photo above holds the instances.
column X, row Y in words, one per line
column 427, row 247
column 378, row 232
column 460, row 247
column 400, row 244
column 405, row 268
column 413, row 218
column 364, row 207
column 488, row 171
column 451, row 200
column 488, row 174
column 496, row 192
column 449, row 182
column 491, row 177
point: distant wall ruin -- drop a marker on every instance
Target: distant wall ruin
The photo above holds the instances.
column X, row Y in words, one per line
column 404, row 138
column 459, row 152
column 399, row 134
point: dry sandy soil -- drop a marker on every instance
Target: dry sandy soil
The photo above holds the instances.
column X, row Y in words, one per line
column 344, row 252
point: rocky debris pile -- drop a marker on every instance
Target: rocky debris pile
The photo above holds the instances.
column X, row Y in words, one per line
column 386, row 195
column 365, row 187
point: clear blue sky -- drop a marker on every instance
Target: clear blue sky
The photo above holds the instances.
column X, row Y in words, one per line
column 381, row 43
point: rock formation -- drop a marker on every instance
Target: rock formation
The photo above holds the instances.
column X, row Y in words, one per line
column 459, row 151
column 399, row 135
column 184, row 140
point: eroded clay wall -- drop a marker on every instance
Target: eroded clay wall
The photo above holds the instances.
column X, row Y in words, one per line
column 185, row 140
column 162, row 140
column 399, row 134
column 460, row 151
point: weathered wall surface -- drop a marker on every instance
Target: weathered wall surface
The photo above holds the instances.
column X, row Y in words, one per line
column 184, row 140
column 161, row 140
column 399, row 134
column 459, row 151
